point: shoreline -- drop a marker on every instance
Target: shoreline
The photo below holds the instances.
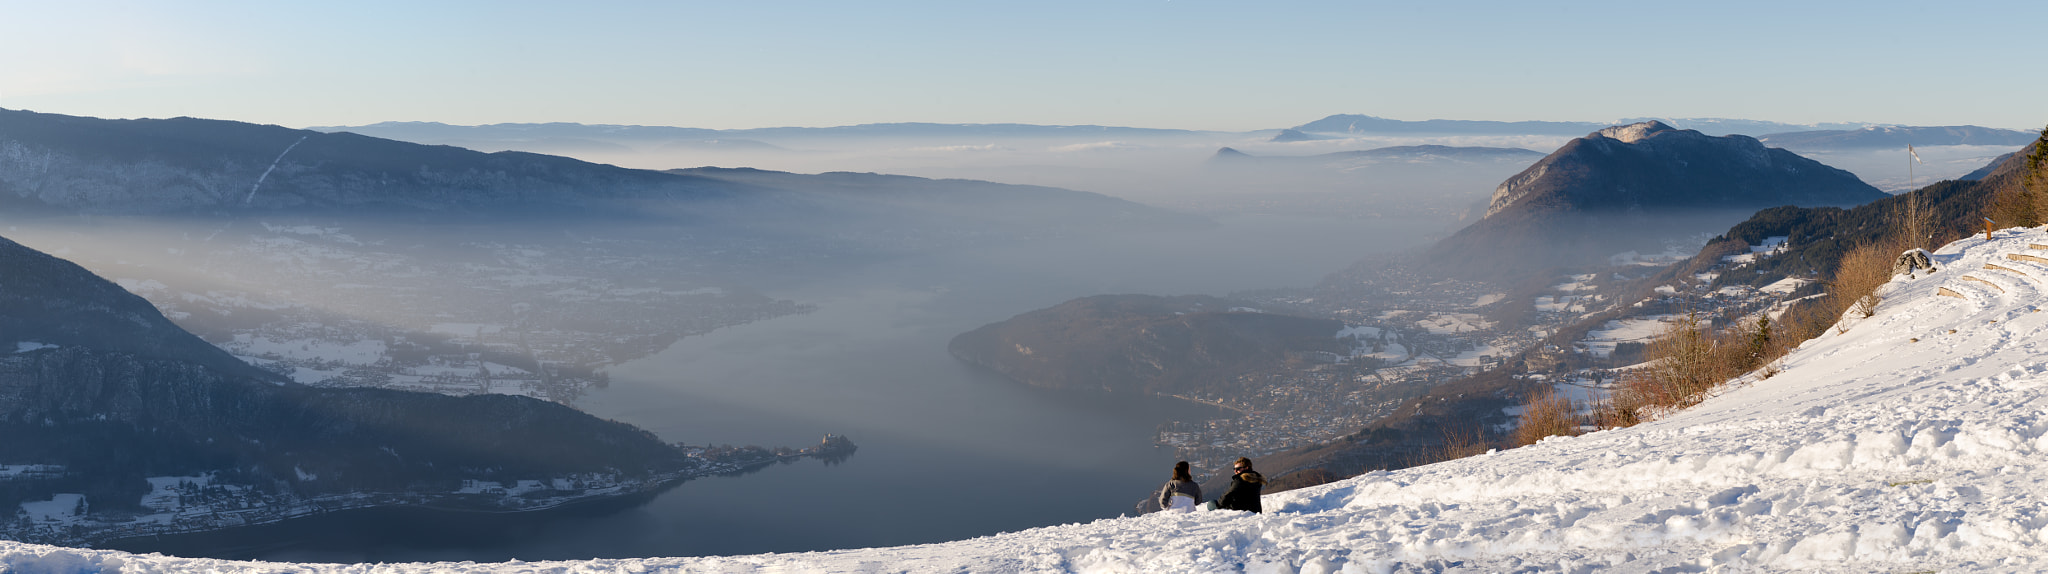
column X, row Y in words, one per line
column 202, row 520
column 1217, row 404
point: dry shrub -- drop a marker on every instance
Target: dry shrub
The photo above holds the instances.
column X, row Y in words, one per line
column 1545, row 414
column 1808, row 319
column 1860, row 273
column 1458, row 442
column 1686, row 361
column 1611, row 412
column 1911, row 221
column 1461, row 442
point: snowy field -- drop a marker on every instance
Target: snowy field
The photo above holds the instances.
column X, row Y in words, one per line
column 1601, row 342
column 1912, row 441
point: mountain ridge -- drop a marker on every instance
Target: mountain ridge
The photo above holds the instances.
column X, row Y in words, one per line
column 1898, row 137
column 102, row 387
column 1633, row 187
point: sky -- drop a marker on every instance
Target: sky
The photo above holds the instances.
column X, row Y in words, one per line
column 1211, row 65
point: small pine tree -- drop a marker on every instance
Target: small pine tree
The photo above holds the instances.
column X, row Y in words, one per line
column 1759, row 348
column 2034, row 182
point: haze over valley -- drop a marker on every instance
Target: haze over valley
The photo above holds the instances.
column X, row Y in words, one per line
column 816, row 287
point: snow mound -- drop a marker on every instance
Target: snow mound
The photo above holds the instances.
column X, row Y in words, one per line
column 1913, row 440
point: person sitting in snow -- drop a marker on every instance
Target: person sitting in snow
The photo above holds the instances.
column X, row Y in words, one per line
column 1244, row 488
column 1180, row 494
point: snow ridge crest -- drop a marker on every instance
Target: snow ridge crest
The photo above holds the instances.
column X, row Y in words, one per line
column 1635, row 132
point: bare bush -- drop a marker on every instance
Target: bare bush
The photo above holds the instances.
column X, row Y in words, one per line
column 1546, row 414
column 1860, row 273
column 1808, row 319
column 1461, row 442
column 1687, row 362
column 1911, row 221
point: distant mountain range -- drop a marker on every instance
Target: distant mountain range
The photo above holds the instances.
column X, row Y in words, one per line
column 1631, row 187
column 1361, row 124
column 439, row 132
column 1897, row 137
column 1403, row 153
column 1290, row 135
column 58, row 164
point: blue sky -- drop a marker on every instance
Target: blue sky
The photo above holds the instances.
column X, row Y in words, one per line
column 1180, row 64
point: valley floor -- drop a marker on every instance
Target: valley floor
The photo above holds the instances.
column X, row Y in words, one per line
column 1911, row 441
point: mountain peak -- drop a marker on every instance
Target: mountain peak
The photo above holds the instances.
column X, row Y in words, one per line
column 1635, row 132
column 1636, row 187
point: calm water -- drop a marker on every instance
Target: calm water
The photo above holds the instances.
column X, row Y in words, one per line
column 946, row 451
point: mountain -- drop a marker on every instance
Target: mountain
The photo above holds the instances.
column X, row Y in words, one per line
column 56, row 164
column 1897, row 137
column 106, row 397
column 1634, row 187
column 1805, row 244
column 1360, row 124
column 1286, row 136
column 53, row 163
column 1989, row 168
column 1726, row 126
column 1229, row 154
column 1816, row 237
column 1411, row 153
column 433, row 132
column 1905, row 442
column 1143, row 344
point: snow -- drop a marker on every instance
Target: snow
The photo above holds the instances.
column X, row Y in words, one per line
column 164, row 495
column 28, row 346
column 1474, row 357
column 465, row 329
column 1890, row 444
column 361, row 352
column 1451, row 323
column 61, row 508
column 1562, row 303
column 1771, row 246
column 1785, row 286
column 11, row 471
column 1601, row 342
column 1392, row 352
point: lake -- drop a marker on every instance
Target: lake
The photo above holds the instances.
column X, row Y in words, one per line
column 947, row 451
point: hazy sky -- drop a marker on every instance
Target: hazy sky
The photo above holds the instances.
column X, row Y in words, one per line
column 1181, row 63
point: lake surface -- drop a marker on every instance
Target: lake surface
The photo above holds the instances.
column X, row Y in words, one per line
column 947, row 451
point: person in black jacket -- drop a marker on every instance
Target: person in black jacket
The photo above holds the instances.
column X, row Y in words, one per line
column 1180, row 494
column 1243, row 493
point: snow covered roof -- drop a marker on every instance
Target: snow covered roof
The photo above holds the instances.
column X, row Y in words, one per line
column 1915, row 440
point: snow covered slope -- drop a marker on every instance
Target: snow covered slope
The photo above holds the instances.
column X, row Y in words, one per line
column 1913, row 441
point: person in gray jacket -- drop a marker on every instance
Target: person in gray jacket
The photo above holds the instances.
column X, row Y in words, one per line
column 1180, row 494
